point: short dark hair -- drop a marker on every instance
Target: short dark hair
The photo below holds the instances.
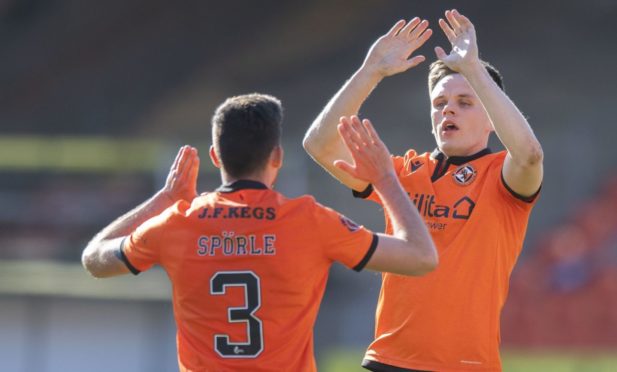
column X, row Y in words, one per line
column 438, row 70
column 245, row 130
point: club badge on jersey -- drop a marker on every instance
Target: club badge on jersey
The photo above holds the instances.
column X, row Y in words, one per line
column 464, row 175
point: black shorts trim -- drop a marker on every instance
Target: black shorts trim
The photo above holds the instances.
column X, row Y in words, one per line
column 374, row 366
column 120, row 254
column 368, row 254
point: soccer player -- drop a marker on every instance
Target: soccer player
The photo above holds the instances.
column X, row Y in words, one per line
column 248, row 266
column 475, row 203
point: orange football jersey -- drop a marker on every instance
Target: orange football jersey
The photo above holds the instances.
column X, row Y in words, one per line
column 448, row 320
column 248, row 269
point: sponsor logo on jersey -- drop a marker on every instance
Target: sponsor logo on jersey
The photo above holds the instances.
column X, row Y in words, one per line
column 464, row 175
column 427, row 207
column 349, row 224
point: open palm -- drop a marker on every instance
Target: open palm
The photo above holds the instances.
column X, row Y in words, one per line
column 181, row 183
column 391, row 53
column 462, row 36
column 371, row 158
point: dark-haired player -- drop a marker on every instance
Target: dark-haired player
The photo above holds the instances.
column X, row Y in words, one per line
column 475, row 203
column 248, row 266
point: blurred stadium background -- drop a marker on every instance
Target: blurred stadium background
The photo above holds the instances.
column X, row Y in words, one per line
column 97, row 96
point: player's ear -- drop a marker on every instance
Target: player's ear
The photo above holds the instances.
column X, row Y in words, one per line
column 214, row 158
column 276, row 157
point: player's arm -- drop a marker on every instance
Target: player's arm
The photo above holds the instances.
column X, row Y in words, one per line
column 523, row 168
column 410, row 250
column 389, row 55
column 102, row 257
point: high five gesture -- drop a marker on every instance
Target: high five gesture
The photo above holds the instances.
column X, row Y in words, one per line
column 462, row 35
column 392, row 53
column 475, row 203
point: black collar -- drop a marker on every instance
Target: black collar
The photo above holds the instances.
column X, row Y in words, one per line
column 241, row 185
column 443, row 162
column 459, row 160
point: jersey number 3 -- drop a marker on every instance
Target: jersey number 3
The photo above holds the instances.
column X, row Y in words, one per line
column 252, row 299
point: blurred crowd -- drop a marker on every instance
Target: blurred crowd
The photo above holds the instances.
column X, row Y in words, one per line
column 569, row 278
column 52, row 216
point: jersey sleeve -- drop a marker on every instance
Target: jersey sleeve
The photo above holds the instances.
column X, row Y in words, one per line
column 369, row 193
column 142, row 249
column 524, row 203
column 512, row 211
column 342, row 239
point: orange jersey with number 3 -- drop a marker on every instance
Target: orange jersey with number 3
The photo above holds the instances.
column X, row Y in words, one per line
column 248, row 269
column 448, row 320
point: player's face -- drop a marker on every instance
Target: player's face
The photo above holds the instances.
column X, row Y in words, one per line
column 461, row 125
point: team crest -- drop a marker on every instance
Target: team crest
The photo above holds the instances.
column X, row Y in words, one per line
column 464, row 175
column 349, row 224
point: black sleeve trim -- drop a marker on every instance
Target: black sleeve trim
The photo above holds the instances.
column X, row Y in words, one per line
column 368, row 254
column 526, row 199
column 120, row 254
column 364, row 193
column 374, row 366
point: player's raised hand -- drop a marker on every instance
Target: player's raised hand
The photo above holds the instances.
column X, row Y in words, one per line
column 181, row 183
column 371, row 158
column 391, row 53
column 462, row 36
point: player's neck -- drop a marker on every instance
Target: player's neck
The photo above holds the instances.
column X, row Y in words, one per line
column 463, row 152
column 261, row 178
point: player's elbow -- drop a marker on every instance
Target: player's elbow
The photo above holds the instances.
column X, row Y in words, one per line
column 421, row 258
column 316, row 145
column 428, row 260
column 533, row 155
column 309, row 144
column 89, row 260
column 432, row 260
column 537, row 154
